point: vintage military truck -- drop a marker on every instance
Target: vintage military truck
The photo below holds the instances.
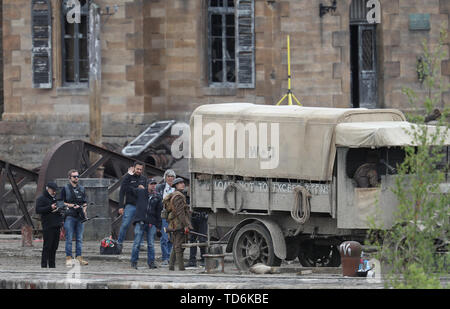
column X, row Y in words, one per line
column 278, row 181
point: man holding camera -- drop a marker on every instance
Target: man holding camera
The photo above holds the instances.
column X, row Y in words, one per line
column 52, row 220
column 147, row 220
column 74, row 197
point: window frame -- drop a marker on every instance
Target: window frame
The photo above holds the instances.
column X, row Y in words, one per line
column 84, row 12
column 223, row 11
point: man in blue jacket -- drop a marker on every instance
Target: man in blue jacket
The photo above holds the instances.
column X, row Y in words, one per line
column 147, row 220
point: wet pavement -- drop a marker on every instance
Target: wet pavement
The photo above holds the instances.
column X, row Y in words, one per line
column 20, row 268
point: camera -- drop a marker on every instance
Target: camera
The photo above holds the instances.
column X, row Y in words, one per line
column 60, row 207
column 81, row 214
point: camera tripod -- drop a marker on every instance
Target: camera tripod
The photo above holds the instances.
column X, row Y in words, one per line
column 289, row 95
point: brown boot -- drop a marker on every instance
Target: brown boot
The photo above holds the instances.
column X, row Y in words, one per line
column 180, row 261
column 69, row 262
column 172, row 260
column 82, row 262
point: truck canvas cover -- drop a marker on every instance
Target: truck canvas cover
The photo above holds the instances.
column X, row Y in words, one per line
column 383, row 134
column 301, row 141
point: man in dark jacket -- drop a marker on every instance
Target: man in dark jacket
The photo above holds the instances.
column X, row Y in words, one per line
column 132, row 183
column 147, row 220
column 52, row 220
column 74, row 197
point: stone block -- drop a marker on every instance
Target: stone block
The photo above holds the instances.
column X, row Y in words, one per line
column 390, row 6
column 444, row 6
column 134, row 73
column 284, row 9
column 11, row 42
column 134, row 9
column 340, row 38
column 392, row 69
column 445, row 67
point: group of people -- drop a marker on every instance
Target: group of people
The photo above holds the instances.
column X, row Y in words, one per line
column 53, row 217
column 157, row 209
column 154, row 209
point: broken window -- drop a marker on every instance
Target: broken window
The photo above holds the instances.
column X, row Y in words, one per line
column 41, row 51
column 231, row 58
column 75, row 56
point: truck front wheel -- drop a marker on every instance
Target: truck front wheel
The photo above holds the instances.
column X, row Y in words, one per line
column 252, row 245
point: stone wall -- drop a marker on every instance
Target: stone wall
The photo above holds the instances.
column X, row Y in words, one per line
column 402, row 47
column 154, row 64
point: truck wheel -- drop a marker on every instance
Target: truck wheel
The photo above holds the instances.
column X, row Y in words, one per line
column 252, row 245
column 312, row 255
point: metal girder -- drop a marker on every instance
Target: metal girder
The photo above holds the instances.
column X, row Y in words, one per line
column 77, row 154
column 66, row 155
column 17, row 177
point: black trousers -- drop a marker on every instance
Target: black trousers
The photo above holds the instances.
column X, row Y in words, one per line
column 200, row 225
column 51, row 242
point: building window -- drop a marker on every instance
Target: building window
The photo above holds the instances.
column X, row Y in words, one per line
column 231, row 43
column 222, row 66
column 41, row 49
column 75, row 56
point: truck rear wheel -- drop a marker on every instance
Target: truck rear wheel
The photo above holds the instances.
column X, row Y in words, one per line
column 252, row 245
column 313, row 255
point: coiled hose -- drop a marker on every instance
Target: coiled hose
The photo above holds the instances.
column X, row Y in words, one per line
column 236, row 188
column 303, row 197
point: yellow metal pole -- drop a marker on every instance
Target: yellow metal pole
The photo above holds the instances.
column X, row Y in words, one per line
column 289, row 70
column 282, row 99
column 289, row 94
column 289, row 62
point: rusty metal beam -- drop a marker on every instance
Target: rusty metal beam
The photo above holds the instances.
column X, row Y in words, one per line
column 3, row 223
column 91, row 170
column 19, row 198
column 18, row 178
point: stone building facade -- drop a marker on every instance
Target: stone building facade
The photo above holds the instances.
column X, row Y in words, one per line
column 163, row 58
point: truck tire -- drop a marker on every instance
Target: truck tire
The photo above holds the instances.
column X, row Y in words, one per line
column 253, row 244
column 313, row 255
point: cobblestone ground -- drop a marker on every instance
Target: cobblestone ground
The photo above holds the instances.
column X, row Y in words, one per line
column 20, row 268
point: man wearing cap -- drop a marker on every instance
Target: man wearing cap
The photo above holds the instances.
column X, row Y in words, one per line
column 147, row 220
column 164, row 189
column 178, row 216
column 52, row 220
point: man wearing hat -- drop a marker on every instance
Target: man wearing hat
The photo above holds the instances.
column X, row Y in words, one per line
column 178, row 216
column 52, row 220
column 165, row 188
column 147, row 220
